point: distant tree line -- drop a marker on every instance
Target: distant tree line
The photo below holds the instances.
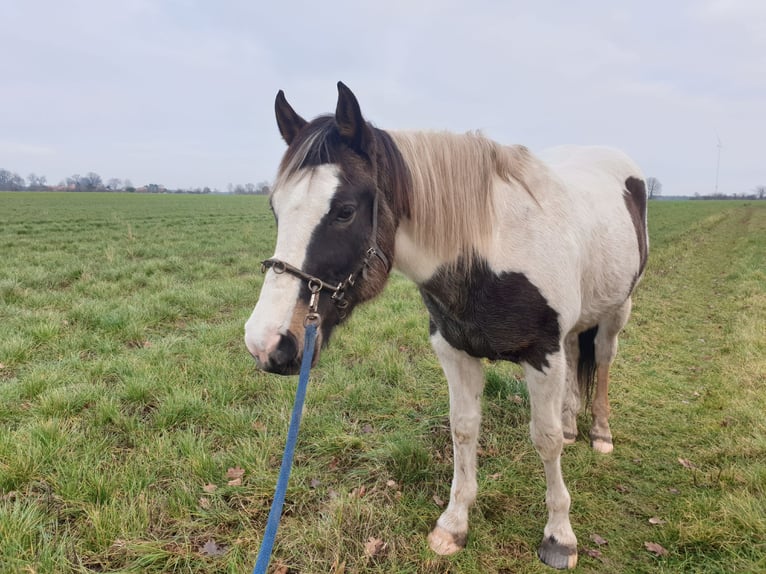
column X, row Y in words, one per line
column 10, row 181
column 654, row 190
column 759, row 192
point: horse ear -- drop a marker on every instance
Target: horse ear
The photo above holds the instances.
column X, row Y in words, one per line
column 353, row 129
column 288, row 120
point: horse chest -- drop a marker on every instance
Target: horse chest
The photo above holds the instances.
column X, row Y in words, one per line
column 500, row 316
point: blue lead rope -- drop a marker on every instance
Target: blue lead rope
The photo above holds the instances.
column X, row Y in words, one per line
column 264, row 554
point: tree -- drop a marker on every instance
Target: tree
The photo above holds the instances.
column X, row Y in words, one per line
column 760, row 191
column 91, row 182
column 653, row 187
column 114, row 184
column 10, row 181
column 263, row 188
column 35, row 182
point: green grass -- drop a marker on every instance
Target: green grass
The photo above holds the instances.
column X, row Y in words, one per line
column 126, row 391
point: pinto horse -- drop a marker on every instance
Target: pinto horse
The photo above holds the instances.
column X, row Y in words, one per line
column 517, row 257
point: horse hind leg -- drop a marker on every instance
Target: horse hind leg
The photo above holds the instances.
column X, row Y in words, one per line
column 571, row 402
column 605, row 352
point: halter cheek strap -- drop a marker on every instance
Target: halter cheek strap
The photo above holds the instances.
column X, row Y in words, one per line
column 316, row 284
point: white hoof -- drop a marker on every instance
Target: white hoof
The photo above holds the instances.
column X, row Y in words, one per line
column 445, row 543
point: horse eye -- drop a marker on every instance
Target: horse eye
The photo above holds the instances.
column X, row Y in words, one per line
column 345, row 214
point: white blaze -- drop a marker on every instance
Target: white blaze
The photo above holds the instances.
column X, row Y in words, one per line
column 299, row 204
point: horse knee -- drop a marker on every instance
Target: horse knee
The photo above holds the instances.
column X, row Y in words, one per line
column 465, row 429
column 548, row 441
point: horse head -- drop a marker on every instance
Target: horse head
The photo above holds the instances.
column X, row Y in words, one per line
column 337, row 202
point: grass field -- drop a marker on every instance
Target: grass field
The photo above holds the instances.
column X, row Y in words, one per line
column 136, row 435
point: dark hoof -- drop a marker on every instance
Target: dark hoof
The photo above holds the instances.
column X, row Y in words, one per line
column 556, row 555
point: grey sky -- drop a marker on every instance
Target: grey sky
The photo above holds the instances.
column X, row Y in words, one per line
column 181, row 92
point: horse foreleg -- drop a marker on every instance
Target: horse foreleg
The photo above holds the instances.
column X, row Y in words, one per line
column 466, row 382
column 546, row 393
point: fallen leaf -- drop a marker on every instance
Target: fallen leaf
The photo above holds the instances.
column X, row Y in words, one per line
column 235, row 472
column 655, row 548
column 212, row 549
column 495, row 476
column 622, row 489
column 281, row 569
column 686, row 463
column 598, row 539
column 592, row 552
column 674, row 491
column 209, row 488
column 374, row 546
column 204, row 503
column 315, row 483
column 391, row 483
column 439, row 502
column 235, row 482
column 147, row 344
column 258, row 426
column 338, row 568
column 516, row 399
column 656, row 520
column 359, row 492
column 2, row 366
column 367, row 429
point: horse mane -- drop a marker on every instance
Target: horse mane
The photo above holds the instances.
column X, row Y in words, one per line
column 452, row 188
column 444, row 183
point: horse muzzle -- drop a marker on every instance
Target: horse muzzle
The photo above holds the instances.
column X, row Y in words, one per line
column 282, row 356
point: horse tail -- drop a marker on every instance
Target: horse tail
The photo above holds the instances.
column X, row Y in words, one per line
column 586, row 363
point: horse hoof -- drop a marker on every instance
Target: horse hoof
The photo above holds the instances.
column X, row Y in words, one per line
column 556, row 555
column 570, row 438
column 601, row 444
column 445, row 543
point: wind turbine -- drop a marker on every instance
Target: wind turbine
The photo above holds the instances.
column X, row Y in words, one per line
column 718, row 163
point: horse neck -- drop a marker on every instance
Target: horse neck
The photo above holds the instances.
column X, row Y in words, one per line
column 453, row 185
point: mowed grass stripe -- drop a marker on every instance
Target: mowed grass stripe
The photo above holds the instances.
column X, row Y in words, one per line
column 126, row 391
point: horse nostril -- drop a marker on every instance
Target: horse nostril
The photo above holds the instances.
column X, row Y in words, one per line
column 286, row 352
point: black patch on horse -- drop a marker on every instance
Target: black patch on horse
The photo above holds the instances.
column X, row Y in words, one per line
column 500, row 316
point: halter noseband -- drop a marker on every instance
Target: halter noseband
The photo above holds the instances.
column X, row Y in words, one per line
column 316, row 285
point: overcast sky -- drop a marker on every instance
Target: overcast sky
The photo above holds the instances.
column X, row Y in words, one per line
column 181, row 92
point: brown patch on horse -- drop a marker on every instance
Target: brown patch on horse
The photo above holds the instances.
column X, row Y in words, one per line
column 635, row 202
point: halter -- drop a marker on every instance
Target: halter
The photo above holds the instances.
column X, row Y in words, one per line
column 316, row 285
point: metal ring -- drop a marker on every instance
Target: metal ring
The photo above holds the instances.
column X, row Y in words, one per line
column 315, row 285
column 279, row 266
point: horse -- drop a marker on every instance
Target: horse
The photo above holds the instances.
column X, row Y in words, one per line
column 517, row 257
